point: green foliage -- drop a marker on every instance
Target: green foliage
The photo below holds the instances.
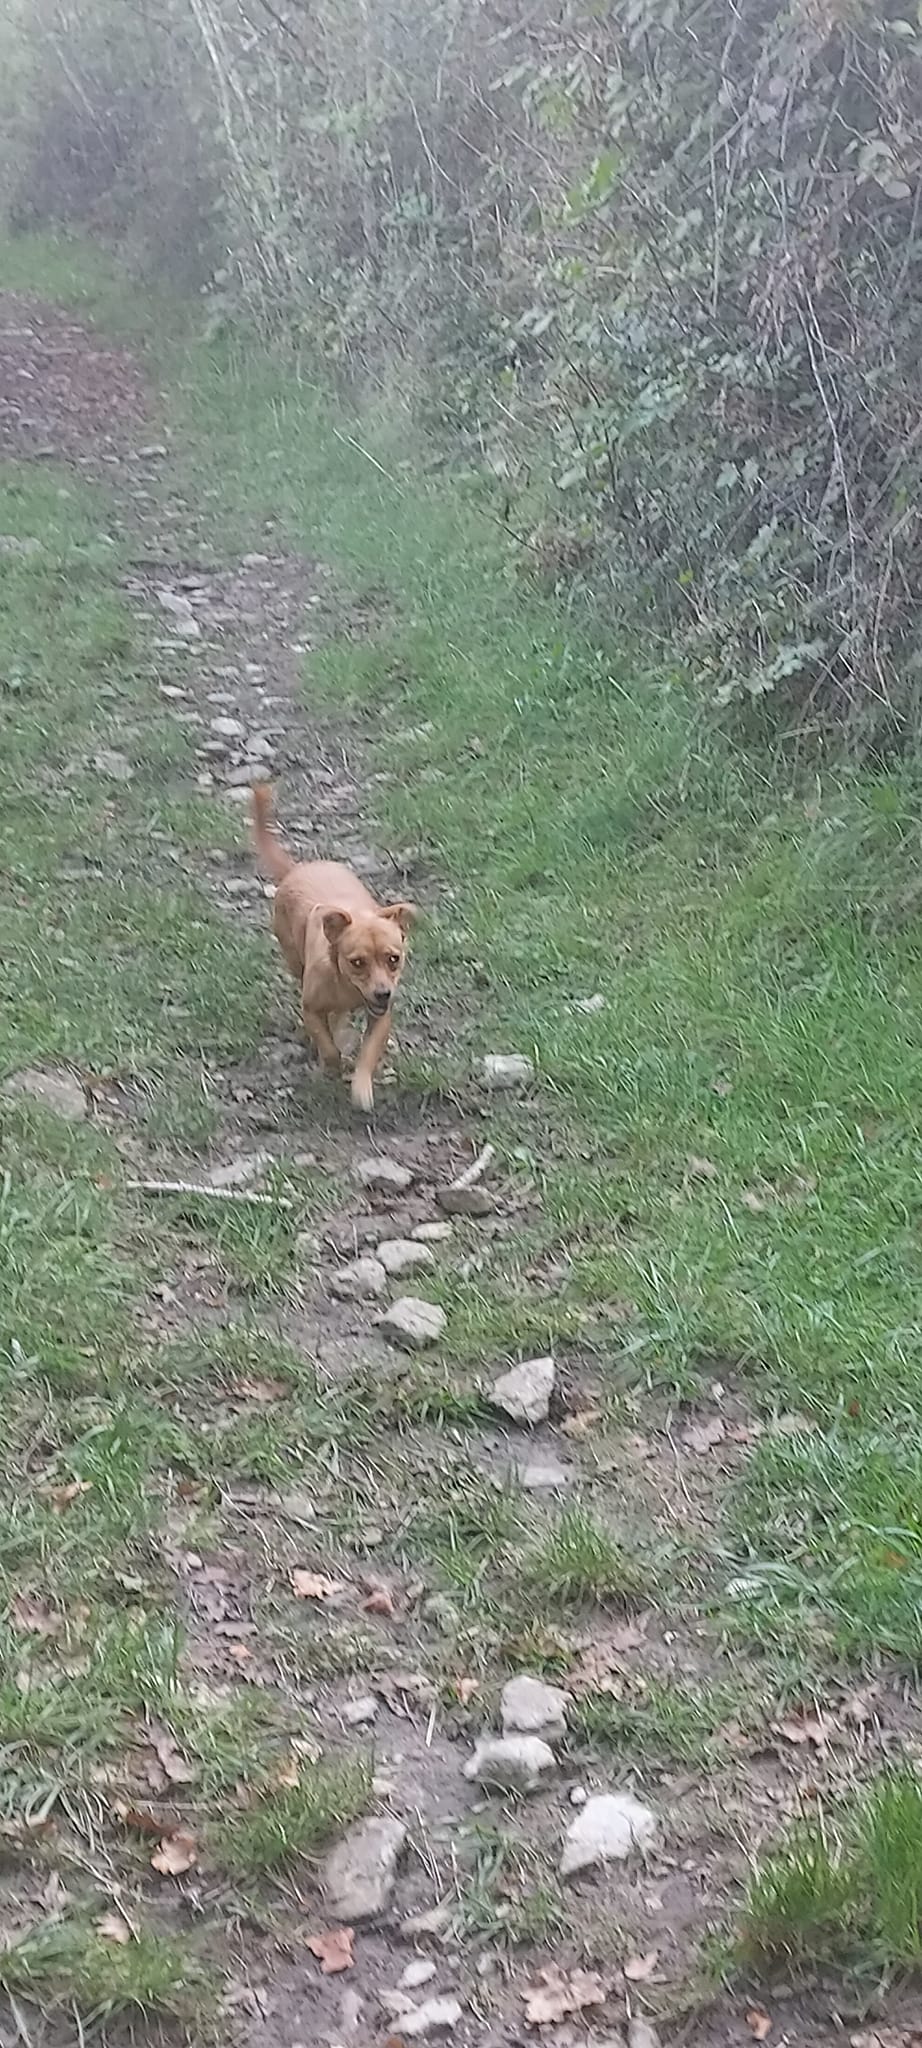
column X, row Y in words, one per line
column 846, row 1894
column 663, row 278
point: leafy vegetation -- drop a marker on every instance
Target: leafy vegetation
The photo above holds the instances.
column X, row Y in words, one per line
column 659, row 272
column 845, row 1889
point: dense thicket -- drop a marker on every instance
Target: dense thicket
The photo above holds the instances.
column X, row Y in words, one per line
column 659, row 262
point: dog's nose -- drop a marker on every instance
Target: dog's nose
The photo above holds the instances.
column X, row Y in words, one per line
column 380, row 1000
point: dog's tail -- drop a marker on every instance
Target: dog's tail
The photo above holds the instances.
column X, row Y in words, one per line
column 274, row 857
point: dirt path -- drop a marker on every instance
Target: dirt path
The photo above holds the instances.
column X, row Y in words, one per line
column 383, row 1659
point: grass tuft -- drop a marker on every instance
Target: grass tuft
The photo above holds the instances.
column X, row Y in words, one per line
column 848, row 1892
column 290, row 1821
column 579, row 1561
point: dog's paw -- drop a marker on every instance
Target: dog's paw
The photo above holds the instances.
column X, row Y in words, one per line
column 363, row 1094
column 333, row 1068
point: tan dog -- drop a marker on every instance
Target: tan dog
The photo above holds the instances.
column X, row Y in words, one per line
column 345, row 950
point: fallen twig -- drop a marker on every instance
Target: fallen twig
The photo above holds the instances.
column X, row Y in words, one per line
column 478, row 1167
column 199, row 1188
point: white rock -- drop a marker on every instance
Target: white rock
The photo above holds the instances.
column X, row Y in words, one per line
column 357, row 1713
column 400, row 1255
column 180, row 610
column 513, row 1763
column 432, row 1233
column 361, row 1280
column 259, row 747
column 590, row 1005
column 435, row 1920
column 524, row 1394
column 542, row 1475
column 246, row 773
column 115, row 766
column 358, row 1875
column 384, row 1176
column 413, row 1324
column 437, row 2016
column 640, row 2034
column 241, row 1172
column 421, row 1971
column 56, row 1090
column 507, row 1070
column 227, row 728
column 610, row 1825
column 578, row 1795
column 529, row 1707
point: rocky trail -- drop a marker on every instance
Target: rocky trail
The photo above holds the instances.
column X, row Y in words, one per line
column 495, row 1867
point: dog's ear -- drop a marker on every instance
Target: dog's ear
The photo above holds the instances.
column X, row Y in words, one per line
column 403, row 914
column 334, row 924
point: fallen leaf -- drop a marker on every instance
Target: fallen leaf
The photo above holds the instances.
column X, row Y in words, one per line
column 239, row 1652
column 288, row 1773
column 759, row 2024
column 333, row 1949
column 380, row 1601
column 139, row 1818
column 639, row 1969
column 806, row 1728
column 260, row 1390
column 753, row 1201
column 61, row 1497
column 703, row 1436
column 34, row 1617
column 702, row 1169
column 465, row 1689
column 171, row 1761
column 582, row 1422
column 113, row 1928
column 176, row 1854
column 554, row 1996
column 313, row 1586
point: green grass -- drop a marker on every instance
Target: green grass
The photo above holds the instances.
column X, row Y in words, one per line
column 845, row 1890
column 715, row 1179
column 70, row 1969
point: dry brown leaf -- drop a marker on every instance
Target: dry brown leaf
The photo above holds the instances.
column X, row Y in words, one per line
column 465, row 1689
column 333, row 1949
column 171, row 1761
column 582, row 1422
column 33, row 1616
column 639, row 1969
column 139, row 1818
column 239, row 1652
column 314, row 1586
column 379, row 1601
column 759, row 2024
column 61, row 1497
column 288, row 1773
column 260, row 1390
column 113, row 1928
column 176, row 1854
column 554, row 1996
column 703, row 1436
column 801, row 1729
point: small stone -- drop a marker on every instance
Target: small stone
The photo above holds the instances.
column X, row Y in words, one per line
column 172, row 691
column 507, row 1070
column 180, row 610
column 241, row 1173
column 383, row 1176
column 227, row 728
column 543, row 1476
column 239, row 794
column 610, row 1825
column 420, row 1971
column 400, row 1255
column 361, row 1280
column 111, row 763
column 443, row 1612
column 435, row 1920
column 640, row 2034
column 578, row 1795
column 529, row 1707
column 589, row 1005
column 154, row 452
column 437, row 2016
column 358, row 1875
column 259, row 747
column 247, row 773
column 56, row 1090
column 524, row 1394
column 431, row 1233
column 21, row 547
column 240, row 885
column 307, row 1248
column 511, row 1763
column 411, row 1324
column 255, row 561
column 357, row 1713
column 466, row 1201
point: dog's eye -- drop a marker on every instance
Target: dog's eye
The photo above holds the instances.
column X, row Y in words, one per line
column 357, row 964
column 393, row 962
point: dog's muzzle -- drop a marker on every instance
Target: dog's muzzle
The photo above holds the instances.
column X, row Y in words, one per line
column 379, row 1005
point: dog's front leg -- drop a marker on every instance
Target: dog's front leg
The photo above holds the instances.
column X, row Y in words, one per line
column 369, row 1060
column 317, row 1028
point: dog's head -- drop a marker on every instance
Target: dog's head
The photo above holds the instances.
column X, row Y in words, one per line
column 369, row 951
